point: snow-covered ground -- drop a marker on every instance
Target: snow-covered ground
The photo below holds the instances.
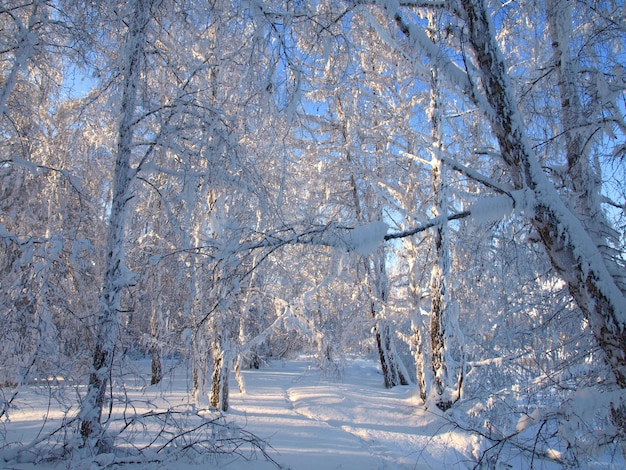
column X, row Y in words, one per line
column 309, row 421
column 314, row 422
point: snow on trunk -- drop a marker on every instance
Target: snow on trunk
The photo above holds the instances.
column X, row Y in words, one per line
column 394, row 372
column 366, row 240
column 194, row 308
column 222, row 363
column 423, row 367
column 157, row 331
column 26, row 42
column 116, row 276
column 585, row 181
column 570, row 246
column 444, row 384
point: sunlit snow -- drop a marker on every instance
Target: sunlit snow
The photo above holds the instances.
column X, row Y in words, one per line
column 308, row 420
column 365, row 239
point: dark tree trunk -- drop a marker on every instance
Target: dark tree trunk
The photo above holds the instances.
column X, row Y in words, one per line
column 157, row 366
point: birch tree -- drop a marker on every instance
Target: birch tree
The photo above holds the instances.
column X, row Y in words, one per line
column 443, row 309
column 116, row 275
column 46, row 222
column 199, row 180
column 484, row 78
column 569, row 245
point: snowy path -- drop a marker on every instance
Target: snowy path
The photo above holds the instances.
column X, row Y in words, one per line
column 301, row 443
column 310, row 421
column 313, row 422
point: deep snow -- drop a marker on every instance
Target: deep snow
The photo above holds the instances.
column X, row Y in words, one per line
column 316, row 422
column 309, row 421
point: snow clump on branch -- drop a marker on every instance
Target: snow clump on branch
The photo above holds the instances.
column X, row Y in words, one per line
column 366, row 238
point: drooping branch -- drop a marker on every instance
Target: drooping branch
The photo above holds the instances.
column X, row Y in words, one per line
column 571, row 249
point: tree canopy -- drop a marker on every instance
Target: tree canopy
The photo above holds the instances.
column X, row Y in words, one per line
column 441, row 183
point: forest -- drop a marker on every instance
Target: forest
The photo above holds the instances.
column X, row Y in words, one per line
column 436, row 184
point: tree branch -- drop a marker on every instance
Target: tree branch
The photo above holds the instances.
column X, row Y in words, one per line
column 430, row 224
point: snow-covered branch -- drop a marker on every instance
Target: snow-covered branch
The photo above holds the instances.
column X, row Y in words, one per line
column 428, row 225
column 472, row 174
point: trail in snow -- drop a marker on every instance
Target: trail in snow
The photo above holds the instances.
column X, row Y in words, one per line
column 355, row 423
column 310, row 421
column 300, row 442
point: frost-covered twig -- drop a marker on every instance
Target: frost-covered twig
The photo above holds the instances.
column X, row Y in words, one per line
column 154, row 436
column 173, row 433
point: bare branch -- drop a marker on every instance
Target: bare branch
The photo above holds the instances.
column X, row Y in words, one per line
column 430, row 224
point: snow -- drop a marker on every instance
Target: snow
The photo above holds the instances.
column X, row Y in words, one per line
column 365, row 239
column 491, row 209
column 309, row 421
column 496, row 208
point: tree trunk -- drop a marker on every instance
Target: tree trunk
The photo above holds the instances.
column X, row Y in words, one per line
column 570, row 247
column 216, row 376
column 445, row 372
column 422, row 372
column 115, row 274
column 444, row 382
column 220, row 376
column 156, row 330
column 225, row 386
column 393, row 370
column 585, row 182
column 393, row 373
column 199, row 366
column 441, row 270
column 157, row 365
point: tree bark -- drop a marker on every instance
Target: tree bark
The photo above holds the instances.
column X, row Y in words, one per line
column 115, row 274
column 393, row 370
column 584, row 181
column 220, row 376
column 391, row 365
column 157, row 365
column 440, row 311
column 422, row 372
column 216, row 376
column 570, row 247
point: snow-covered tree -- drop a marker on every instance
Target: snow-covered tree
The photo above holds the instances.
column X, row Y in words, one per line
column 116, row 274
column 563, row 203
column 166, row 189
column 46, row 217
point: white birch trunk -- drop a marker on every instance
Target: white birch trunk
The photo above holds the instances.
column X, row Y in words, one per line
column 422, row 370
column 444, row 368
column 394, row 372
column 220, row 379
column 157, row 329
column 115, row 273
column 198, row 345
column 572, row 250
column 584, row 180
column 439, row 311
